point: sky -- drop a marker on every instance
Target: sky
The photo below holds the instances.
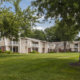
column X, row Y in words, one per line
column 24, row 4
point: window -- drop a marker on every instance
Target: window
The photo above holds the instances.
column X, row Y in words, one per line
column 14, row 42
column 35, row 44
column 76, row 45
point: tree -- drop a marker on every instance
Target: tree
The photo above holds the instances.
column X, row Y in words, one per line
column 9, row 24
column 13, row 23
column 29, row 21
column 51, row 35
column 65, row 33
column 27, row 18
column 39, row 34
column 61, row 32
column 67, row 10
column 28, row 32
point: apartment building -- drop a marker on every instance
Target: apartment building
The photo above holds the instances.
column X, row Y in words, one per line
column 73, row 46
column 27, row 45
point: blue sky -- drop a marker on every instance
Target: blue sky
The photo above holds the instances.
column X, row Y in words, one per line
column 24, row 4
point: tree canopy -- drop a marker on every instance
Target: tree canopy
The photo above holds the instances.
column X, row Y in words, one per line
column 9, row 24
column 61, row 32
column 13, row 23
column 67, row 10
column 39, row 34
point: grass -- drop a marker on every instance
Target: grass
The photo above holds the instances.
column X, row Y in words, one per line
column 39, row 67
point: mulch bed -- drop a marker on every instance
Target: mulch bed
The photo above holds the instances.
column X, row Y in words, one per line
column 75, row 64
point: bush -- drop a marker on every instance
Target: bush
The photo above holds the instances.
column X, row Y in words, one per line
column 51, row 52
column 35, row 52
column 8, row 52
column 1, row 51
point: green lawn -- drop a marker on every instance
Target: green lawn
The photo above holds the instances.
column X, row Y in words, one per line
column 39, row 67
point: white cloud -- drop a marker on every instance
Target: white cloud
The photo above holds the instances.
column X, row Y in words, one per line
column 41, row 18
column 39, row 27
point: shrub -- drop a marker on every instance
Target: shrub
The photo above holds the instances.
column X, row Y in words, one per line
column 8, row 52
column 35, row 52
column 52, row 51
column 1, row 51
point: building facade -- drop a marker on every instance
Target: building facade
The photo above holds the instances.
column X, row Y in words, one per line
column 27, row 45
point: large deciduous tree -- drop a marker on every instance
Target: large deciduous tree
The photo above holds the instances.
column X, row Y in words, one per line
column 51, row 35
column 9, row 24
column 67, row 10
column 65, row 33
column 39, row 34
column 19, row 21
column 61, row 32
column 27, row 17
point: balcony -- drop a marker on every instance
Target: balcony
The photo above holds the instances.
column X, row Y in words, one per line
column 14, row 43
column 76, row 46
column 35, row 45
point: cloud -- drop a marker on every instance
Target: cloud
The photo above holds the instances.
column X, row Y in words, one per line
column 39, row 28
column 42, row 18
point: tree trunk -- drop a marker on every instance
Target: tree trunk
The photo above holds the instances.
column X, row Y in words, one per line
column 64, row 46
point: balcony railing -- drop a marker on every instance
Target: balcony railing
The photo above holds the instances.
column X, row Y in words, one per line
column 75, row 46
column 35, row 45
column 13, row 43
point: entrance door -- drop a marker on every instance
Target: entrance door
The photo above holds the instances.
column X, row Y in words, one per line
column 29, row 50
column 43, row 50
column 15, row 49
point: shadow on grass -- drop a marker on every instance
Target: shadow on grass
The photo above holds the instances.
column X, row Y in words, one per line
column 43, row 64
column 39, row 69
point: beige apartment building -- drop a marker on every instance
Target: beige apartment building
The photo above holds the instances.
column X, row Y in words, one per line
column 27, row 45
